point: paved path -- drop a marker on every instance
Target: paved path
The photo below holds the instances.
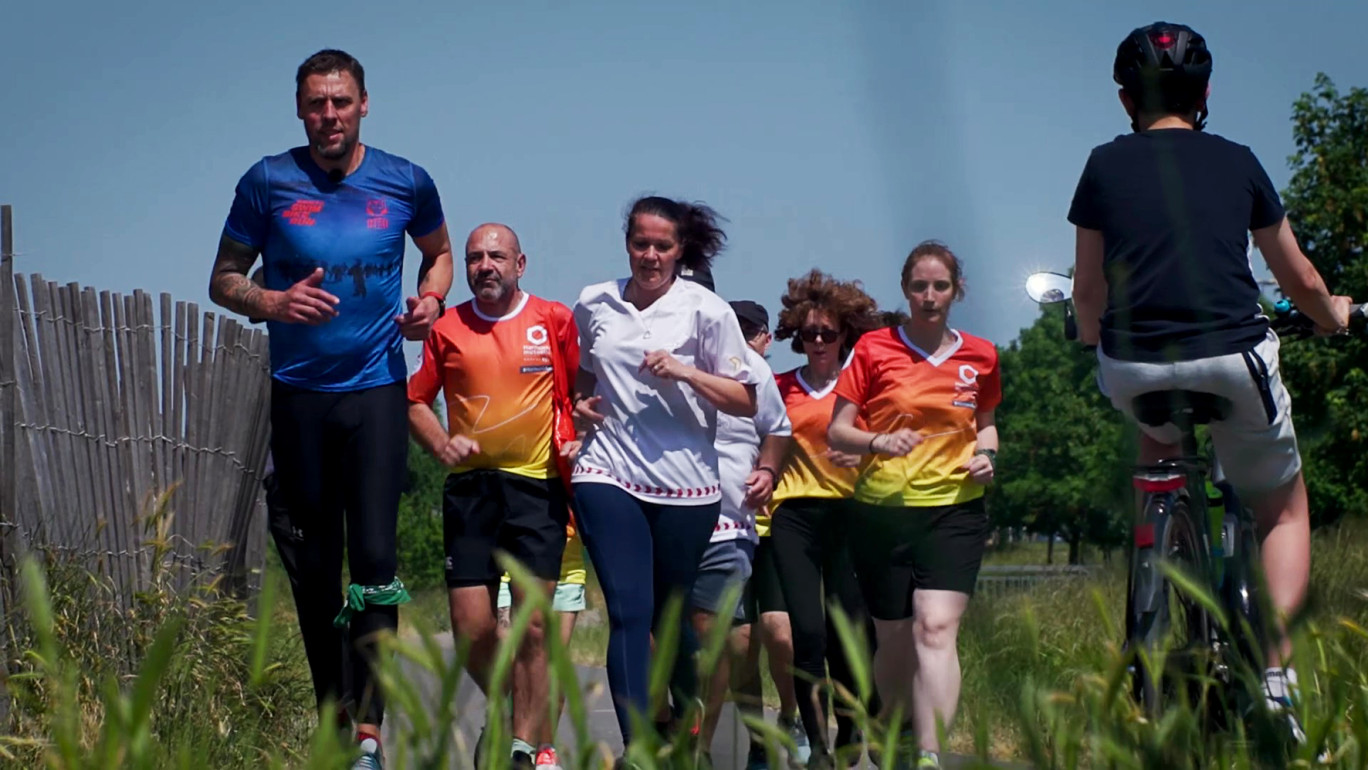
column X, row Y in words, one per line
column 729, row 744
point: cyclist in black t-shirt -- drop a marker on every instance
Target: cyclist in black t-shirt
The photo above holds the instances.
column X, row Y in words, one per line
column 1164, row 284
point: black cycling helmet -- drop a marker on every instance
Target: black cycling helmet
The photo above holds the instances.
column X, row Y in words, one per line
column 1165, row 68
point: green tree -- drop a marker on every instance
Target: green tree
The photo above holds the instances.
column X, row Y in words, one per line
column 1327, row 203
column 1066, row 454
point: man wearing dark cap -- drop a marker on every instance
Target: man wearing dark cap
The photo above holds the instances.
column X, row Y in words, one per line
column 754, row 324
column 750, row 453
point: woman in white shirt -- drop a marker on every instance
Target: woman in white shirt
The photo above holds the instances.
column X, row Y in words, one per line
column 659, row 358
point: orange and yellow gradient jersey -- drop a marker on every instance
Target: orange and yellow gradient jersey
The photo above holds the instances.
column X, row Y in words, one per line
column 498, row 379
column 808, row 473
column 896, row 385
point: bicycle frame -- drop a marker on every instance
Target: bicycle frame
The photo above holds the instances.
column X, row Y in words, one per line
column 1225, row 554
column 1160, row 486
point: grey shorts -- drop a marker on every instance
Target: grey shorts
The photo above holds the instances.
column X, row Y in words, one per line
column 1256, row 444
column 725, row 565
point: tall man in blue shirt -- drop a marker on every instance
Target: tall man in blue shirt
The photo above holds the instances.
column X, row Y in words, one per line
column 328, row 221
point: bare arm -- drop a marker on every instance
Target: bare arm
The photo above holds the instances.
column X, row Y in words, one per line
column 229, row 285
column 435, row 273
column 585, row 382
column 843, row 436
column 1298, row 278
column 585, row 411
column 729, row 396
column 981, row 467
column 774, row 452
column 761, row 481
column 987, row 429
column 425, row 428
column 1089, row 285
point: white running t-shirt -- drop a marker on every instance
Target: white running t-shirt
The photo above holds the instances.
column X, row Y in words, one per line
column 738, row 445
column 657, row 440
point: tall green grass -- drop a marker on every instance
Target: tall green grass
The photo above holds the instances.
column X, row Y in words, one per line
column 1044, row 674
column 214, row 686
column 174, row 677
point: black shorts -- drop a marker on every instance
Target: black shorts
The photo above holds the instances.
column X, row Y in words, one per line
column 764, row 593
column 484, row 511
column 899, row 550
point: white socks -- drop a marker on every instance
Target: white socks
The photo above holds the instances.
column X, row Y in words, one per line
column 1278, row 685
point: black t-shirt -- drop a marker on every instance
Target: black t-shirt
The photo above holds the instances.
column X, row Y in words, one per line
column 1175, row 208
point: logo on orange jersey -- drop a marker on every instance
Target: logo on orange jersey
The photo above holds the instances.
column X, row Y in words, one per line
column 537, row 334
column 966, row 390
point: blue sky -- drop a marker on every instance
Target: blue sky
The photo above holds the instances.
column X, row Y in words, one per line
column 834, row 135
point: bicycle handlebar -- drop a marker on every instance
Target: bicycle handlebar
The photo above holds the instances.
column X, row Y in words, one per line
column 1291, row 323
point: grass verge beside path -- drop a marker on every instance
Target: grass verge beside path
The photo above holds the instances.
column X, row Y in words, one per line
column 189, row 679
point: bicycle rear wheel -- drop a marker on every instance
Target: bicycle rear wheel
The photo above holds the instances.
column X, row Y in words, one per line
column 1170, row 632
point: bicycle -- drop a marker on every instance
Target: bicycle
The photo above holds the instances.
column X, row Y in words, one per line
column 1189, row 518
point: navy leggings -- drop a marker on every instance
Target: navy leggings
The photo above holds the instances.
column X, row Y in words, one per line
column 642, row 552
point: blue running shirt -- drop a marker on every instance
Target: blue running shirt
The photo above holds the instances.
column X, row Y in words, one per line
column 287, row 209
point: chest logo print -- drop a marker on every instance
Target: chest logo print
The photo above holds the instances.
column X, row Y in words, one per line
column 966, row 390
column 376, row 209
column 301, row 212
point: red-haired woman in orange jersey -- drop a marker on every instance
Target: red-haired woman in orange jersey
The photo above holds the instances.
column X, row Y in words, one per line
column 927, row 394
column 824, row 317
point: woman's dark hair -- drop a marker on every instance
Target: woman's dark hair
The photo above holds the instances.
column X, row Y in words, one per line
column 695, row 226
column 845, row 301
column 327, row 61
column 894, row 317
column 939, row 251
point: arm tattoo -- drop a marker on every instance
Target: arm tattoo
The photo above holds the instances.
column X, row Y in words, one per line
column 229, row 285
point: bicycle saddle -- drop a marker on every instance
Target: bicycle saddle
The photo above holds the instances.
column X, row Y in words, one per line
column 1183, row 408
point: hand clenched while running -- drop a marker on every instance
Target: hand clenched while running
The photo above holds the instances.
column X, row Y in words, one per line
column 305, row 302
column 842, row 459
column 416, row 322
column 663, row 365
column 457, row 449
column 895, row 444
column 586, row 414
column 759, row 488
column 980, row 469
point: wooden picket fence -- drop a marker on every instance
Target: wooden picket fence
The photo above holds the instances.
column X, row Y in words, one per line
column 134, row 429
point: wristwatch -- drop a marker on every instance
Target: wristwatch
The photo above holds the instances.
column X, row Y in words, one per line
column 441, row 301
column 991, row 454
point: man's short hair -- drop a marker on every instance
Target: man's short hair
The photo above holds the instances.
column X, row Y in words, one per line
column 327, row 61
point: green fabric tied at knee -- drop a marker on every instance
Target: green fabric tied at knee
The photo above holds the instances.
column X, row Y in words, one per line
column 377, row 596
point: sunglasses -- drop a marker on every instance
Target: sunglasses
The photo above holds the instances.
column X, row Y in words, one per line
column 825, row 335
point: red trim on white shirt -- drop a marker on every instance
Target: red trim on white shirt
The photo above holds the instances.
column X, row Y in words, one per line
column 584, row 470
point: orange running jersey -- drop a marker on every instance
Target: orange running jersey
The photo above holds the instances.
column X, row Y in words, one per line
column 497, row 376
column 898, row 386
column 808, row 473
